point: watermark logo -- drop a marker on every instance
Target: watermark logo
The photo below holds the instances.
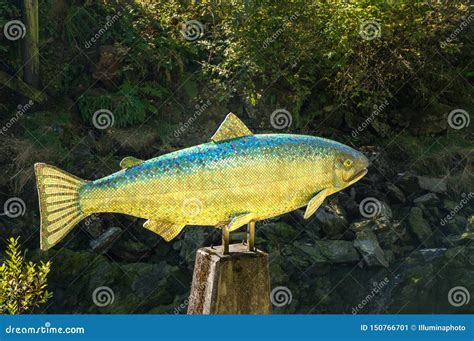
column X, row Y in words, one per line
column 14, row 207
column 370, row 207
column 192, row 207
column 458, row 119
column 281, row 296
column 370, row 30
column 14, row 30
column 458, row 296
column 103, row 296
column 103, row 119
column 281, row 119
column 192, row 30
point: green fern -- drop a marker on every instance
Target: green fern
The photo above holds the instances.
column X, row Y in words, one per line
column 129, row 105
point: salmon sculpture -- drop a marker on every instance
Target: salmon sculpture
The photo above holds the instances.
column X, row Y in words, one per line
column 238, row 178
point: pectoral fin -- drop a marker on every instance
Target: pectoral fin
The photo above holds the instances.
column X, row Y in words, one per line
column 314, row 203
column 238, row 221
column 165, row 229
column 130, row 161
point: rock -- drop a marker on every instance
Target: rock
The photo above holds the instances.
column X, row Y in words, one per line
column 407, row 182
column 432, row 119
column 395, row 194
column 331, row 222
column 278, row 233
column 106, row 240
column 420, row 226
column 93, row 225
column 375, row 225
column 338, row 251
column 367, row 244
column 385, row 212
column 456, row 223
column 430, row 254
column 349, row 205
column 427, row 199
column 195, row 237
column 434, row 215
column 311, row 251
column 432, row 184
column 130, row 250
column 295, row 217
column 434, row 273
column 148, row 286
column 449, row 205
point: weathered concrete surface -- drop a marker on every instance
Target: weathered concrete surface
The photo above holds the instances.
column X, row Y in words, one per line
column 235, row 283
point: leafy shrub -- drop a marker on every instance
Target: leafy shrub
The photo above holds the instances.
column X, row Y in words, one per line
column 290, row 53
column 22, row 284
column 129, row 105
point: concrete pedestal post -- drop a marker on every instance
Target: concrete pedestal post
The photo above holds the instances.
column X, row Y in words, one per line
column 233, row 283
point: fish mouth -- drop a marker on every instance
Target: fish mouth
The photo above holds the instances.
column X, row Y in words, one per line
column 356, row 177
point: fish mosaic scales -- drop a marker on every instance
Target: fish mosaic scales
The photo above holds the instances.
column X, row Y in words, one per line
column 266, row 163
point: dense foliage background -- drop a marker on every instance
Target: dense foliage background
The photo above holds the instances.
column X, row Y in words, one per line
column 382, row 76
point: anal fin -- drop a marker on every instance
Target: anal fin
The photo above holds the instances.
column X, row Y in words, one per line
column 315, row 202
column 167, row 230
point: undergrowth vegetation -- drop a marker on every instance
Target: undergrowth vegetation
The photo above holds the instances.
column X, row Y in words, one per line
column 22, row 283
column 316, row 59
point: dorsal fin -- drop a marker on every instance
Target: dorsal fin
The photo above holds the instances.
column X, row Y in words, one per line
column 130, row 161
column 231, row 128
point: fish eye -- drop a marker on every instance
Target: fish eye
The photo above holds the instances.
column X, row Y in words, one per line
column 348, row 163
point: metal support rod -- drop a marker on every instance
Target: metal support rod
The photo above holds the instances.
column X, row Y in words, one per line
column 225, row 240
column 251, row 236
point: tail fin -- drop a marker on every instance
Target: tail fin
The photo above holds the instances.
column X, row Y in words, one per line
column 60, row 211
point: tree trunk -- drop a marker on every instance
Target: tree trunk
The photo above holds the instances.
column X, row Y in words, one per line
column 30, row 47
column 22, row 88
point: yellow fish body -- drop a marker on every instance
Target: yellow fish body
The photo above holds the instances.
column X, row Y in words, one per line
column 233, row 180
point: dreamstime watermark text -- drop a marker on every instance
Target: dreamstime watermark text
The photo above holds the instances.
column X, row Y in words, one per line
column 461, row 27
column 376, row 289
column 46, row 329
column 287, row 20
column 199, row 110
column 21, row 110
column 378, row 109
column 463, row 202
column 110, row 20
